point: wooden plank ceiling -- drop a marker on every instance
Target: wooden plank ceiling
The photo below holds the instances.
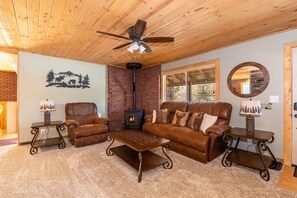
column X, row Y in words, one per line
column 67, row 28
column 8, row 62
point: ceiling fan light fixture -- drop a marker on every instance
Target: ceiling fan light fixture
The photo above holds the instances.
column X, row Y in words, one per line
column 136, row 38
column 135, row 46
column 130, row 49
column 142, row 49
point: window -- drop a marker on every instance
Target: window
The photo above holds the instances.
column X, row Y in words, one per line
column 197, row 82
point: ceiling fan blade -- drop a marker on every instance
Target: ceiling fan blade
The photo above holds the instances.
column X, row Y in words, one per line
column 147, row 48
column 140, row 27
column 114, row 35
column 123, row 45
column 158, row 39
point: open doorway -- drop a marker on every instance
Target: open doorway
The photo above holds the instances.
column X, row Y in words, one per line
column 8, row 99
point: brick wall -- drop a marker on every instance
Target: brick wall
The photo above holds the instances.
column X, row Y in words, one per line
column 120, row 96
column 8, row 86
column 148, row 88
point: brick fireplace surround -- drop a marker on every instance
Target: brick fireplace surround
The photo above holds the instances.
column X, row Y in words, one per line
column 120, row 96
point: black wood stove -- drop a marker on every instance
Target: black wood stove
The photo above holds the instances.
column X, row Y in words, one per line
column 134, row 118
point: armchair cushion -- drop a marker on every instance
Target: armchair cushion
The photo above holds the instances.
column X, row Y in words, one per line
column 90, row 129
column 72, row 123
column 101, row 121
column 83, row 119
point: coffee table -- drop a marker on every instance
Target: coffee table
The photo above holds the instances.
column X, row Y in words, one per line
column 135, row 150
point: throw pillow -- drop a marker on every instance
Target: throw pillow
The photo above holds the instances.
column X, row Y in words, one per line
column 208, row 121
column 160, row 116
column 180, row 118
column 195, row 120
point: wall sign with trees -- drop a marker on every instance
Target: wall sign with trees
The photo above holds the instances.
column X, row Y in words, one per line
column 67, row 80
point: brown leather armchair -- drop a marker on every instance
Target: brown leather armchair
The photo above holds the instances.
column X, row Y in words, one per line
column 83, row 125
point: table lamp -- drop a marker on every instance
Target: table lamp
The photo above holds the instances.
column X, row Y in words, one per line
column 250, row 109
column 47, row 106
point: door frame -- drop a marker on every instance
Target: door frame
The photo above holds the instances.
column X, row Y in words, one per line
column 15, row 52
column 288, row 102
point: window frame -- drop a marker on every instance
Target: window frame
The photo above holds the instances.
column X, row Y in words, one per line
column 191, row 67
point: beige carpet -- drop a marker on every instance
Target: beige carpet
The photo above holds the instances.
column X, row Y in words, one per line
column 89, row 172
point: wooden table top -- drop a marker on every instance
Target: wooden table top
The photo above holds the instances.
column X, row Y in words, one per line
column 138, row 140
column 42, row 124
column 256, row 135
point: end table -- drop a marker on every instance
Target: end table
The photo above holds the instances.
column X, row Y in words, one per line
column 49, row 141
column 252, row 160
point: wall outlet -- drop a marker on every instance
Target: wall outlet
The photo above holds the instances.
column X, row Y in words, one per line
column 42, row 131
column 249, row 141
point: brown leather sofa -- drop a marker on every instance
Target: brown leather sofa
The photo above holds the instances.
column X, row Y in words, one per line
column 189, row 142
column 83, row 125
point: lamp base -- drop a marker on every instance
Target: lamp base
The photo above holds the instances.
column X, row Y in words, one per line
column 250, row 124
column 47, row 118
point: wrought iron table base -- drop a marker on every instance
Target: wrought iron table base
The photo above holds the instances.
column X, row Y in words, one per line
column 129, row 155
column 35, row 130
column 237, row 156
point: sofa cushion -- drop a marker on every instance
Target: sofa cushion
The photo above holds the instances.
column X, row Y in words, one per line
column 180, row 118
column 182, row 135
column 90, row 129
column 195, row 120
column 220, row 109
column 158, row 129
column 208, row 121
column 173, row 106
column 160, row 116
column 189, row 137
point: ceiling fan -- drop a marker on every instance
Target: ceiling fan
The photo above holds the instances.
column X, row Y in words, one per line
column 137, row 42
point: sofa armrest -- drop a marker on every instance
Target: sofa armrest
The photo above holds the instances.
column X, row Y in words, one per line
column 218, row 129
column 148, row 118
column 101, row 121
column 72, row 123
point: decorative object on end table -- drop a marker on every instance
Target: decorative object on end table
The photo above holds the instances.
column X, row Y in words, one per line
column 47, row 106
column 250, row 109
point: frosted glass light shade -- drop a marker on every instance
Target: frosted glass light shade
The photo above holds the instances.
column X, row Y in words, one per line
column 130, row 49
column 142, row 49
column 135, row 46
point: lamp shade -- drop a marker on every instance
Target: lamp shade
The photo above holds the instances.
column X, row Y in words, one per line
column 47, row 105
column 252, row 108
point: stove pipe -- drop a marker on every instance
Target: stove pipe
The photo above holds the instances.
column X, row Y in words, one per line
column 134, row 66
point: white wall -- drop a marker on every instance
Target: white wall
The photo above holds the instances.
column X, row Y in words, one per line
column 268, row 51
column 32, row 73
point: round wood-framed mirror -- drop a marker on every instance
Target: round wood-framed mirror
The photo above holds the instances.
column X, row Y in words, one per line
column 248, row 79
